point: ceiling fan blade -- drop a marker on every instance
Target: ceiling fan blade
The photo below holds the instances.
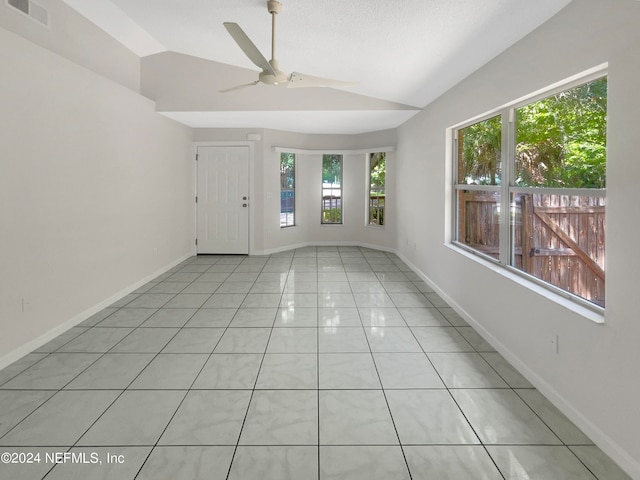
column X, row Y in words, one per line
column 238, row 87
column 300, row 80
column 247, row 46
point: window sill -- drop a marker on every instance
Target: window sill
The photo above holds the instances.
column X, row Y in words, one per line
column 595, row 313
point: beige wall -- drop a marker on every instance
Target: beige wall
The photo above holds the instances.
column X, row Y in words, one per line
column 95, row 192
column 594, row 378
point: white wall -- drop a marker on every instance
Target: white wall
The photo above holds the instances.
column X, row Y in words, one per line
column 266, row 234
column 69, row 34
column 594, row 378
column 95, row 192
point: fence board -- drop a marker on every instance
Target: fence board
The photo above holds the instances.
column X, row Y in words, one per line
column 557, row 238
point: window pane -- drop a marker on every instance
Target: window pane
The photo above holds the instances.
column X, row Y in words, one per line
column 479, row 152
column 561, row 239
column 377, row 174
column 479, row 221
column 287, row 189
column 332, row 189
column 561, row 140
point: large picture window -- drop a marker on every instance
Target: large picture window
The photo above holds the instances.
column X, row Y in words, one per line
column 530, row 189
column 331, row 189
column 287, row 189
column 376, row 173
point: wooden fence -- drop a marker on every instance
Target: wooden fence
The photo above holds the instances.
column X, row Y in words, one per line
column 556, row 238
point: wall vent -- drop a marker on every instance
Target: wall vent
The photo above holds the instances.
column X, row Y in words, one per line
column 32, row 9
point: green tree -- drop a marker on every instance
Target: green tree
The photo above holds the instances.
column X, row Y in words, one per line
column 378, row 171
column 332, row 168
column 561, row 140
column 287, row 170
column 481, row 150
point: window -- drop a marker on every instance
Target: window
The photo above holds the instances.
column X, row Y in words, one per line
column 530, row 189
column 287, row 190
column 331, row 189
column 377, row 170
column 479, row 171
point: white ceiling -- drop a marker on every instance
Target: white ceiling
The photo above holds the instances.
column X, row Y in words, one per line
column 408, row 52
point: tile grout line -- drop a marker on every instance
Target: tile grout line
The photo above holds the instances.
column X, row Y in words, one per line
column 386, row 400
column 253, row 390
column 473, row 429
column 474, row 346
column 186, row 393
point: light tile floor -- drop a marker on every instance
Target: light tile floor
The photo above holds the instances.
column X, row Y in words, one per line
column 319, row 363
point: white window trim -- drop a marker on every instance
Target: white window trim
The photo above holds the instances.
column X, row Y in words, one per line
column 295, row 183
column 343, row 152
column 560, row 297
column 332, row 224
column 573, row 302
column 368, row 191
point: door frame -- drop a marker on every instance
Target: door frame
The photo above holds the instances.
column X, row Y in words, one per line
column 251, row 146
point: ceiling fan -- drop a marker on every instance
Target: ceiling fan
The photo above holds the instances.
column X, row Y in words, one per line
column 271, row 73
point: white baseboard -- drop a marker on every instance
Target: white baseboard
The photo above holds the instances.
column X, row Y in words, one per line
column 36, row 343
column 619, row 455
column 608, row 445
column 323, row 244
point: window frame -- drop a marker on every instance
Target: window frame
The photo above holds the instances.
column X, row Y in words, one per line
column 293, row 213
column 368, row 202
column 332, row 188
column 507, row 188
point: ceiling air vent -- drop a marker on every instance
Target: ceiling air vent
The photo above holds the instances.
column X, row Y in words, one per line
column 32, row 9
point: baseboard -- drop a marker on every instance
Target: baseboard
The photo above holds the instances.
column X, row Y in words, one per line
column 322, row 244
column 619, row 455
column 36, row 343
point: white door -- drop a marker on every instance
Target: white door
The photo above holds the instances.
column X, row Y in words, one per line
column 223, row 200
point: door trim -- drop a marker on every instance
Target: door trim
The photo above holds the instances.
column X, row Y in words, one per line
column 251, row 146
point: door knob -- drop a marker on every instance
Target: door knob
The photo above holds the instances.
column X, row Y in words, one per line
column 244, row 205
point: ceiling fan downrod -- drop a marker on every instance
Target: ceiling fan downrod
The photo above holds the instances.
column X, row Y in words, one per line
column 270, row 70
column 274, row 7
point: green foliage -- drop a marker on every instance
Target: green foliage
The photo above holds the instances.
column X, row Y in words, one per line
column 481, row 150
column 287, row 170
column 332, row 169
column 560, row 142
column 376, row 216
column 332, row 215
column 378, row 171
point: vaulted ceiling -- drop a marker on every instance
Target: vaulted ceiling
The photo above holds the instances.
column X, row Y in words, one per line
column 402, row 54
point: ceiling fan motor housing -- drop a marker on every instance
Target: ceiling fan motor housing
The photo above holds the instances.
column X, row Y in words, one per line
column 270, row 70
column 274, row 6
column 279, row 78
